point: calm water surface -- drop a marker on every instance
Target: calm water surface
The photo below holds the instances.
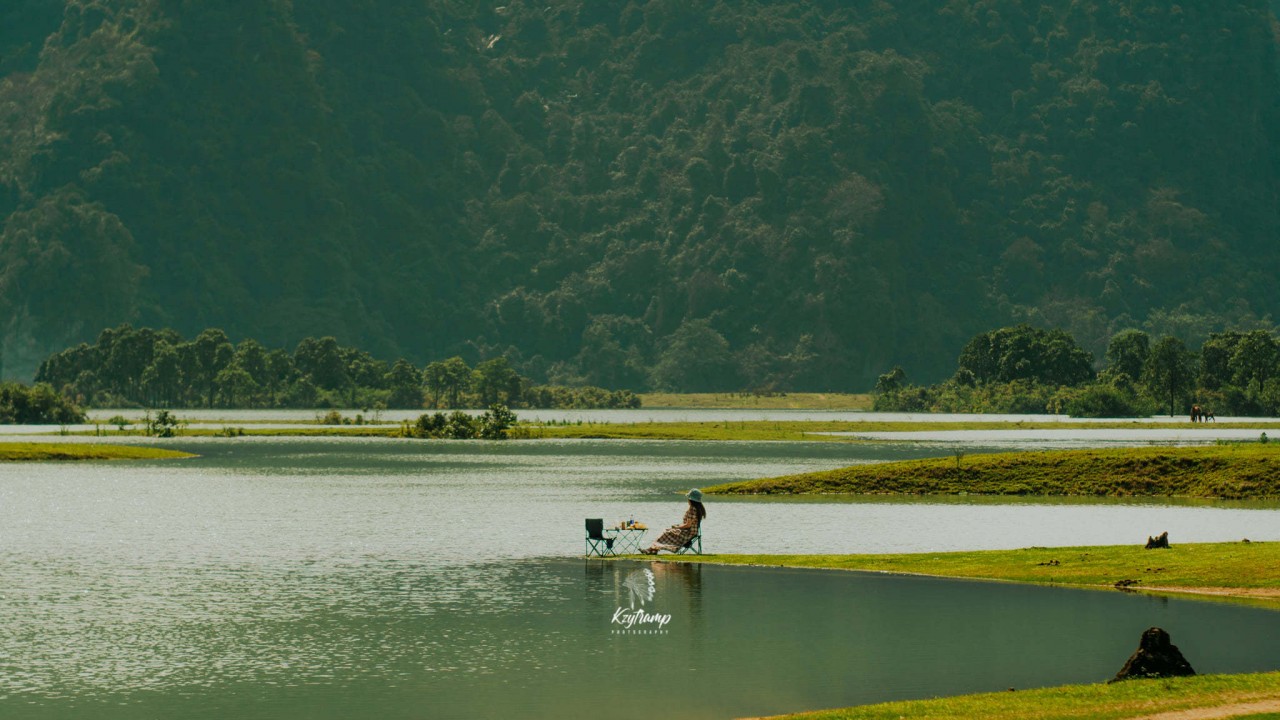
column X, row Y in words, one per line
column 282, row 578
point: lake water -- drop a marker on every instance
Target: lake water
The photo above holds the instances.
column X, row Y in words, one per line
column 317, row 578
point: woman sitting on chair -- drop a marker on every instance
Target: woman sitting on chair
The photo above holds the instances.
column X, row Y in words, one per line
column 677, row 536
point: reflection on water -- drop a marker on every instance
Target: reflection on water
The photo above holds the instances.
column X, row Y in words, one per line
column 537, row 639
column 305, row 578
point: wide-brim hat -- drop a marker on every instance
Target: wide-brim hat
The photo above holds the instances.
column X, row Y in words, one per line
column 694, row 495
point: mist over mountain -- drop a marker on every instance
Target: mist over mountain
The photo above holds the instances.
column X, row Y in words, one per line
column 712, row 196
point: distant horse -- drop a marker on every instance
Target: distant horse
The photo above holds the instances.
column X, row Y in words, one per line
column 1199, row 414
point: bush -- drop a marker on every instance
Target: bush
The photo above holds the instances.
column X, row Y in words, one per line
column 460, row 426
column 494, row 424
column 37, row 405
column 1103, row 401
column 164, row 424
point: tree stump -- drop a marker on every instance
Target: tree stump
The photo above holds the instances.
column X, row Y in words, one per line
column 1160, row 541
column 1156, row 657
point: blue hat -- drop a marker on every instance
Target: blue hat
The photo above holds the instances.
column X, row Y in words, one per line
column 694, row 495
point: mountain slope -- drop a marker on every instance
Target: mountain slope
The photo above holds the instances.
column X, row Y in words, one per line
column 692, row 196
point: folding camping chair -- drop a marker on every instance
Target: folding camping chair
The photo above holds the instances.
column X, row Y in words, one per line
column 693, row 546
column 597, row 543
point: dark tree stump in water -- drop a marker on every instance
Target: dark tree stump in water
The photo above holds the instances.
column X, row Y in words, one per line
column 1156, row 657
column 1160, row 541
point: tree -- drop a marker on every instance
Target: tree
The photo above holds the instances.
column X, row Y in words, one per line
column 495, row 381
column 280, row 372
column 457, row 379
column 251, row 356
column 1127, row 353
column 1254, row 360
column 322, row 360
column 203, row 358
column 1170, row 370
column 1050, row 357
column 129, row 355
column 436, row 380
column 1215, row 359
column 163, row 377
column 495, row 423
column 405, row 383
column 696, row 359
column 362, row 371
column 891, row 381
column 235, row 385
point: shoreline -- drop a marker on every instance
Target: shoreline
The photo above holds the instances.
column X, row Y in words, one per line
column 1200, row 697
column 1206, row 571
column 75, row 452
column 1227, row 471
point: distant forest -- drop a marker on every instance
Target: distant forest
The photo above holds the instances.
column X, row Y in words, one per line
column 142, row 367
column 650, row 195
column 1027, row 370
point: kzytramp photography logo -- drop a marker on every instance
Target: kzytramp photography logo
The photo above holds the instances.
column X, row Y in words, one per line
column 639, row 588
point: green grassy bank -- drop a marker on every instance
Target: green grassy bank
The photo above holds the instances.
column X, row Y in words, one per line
column 1245, row 694
column 25, row 452
column 748, row 401
column 805, row 430
column 1242, row 471
column 1236, row 569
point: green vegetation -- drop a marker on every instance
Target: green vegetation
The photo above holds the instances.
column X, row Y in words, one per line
column 36, row 405
column 625, row 194
column 1119, row 701
column 758, row 401
column 1222, row 471
column 145, row 367
column 1023, row 369
column 820, row 431
column 746, row 430
column 1245, row 569
column 494, row 424
column 26, row 452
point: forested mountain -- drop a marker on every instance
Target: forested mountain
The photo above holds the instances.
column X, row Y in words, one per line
column 687, row 195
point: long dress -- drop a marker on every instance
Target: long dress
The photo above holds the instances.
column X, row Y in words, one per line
column 674, row 538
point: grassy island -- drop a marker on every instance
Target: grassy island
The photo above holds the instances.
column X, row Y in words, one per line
column 754, row 401
column 1238, row 569
column 1216, row 696
column 1219, row 471
column 28, row 452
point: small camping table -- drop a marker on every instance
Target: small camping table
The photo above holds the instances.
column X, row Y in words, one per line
column 626, row 541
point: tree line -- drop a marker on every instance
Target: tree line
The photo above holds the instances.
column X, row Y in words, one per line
column 1022, row 369
column 143, row 367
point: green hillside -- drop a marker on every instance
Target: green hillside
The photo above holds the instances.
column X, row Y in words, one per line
column 663, row 194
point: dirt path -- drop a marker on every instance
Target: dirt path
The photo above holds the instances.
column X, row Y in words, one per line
column 1221, row 711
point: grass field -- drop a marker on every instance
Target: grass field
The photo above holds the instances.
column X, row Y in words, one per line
column 806, row 430
column 1235, row 471
column 1238, row 569
column 1129, row 699
column 27, row 452
column 779, row 401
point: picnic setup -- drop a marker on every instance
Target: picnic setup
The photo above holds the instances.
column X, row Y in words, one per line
column 626, row 537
